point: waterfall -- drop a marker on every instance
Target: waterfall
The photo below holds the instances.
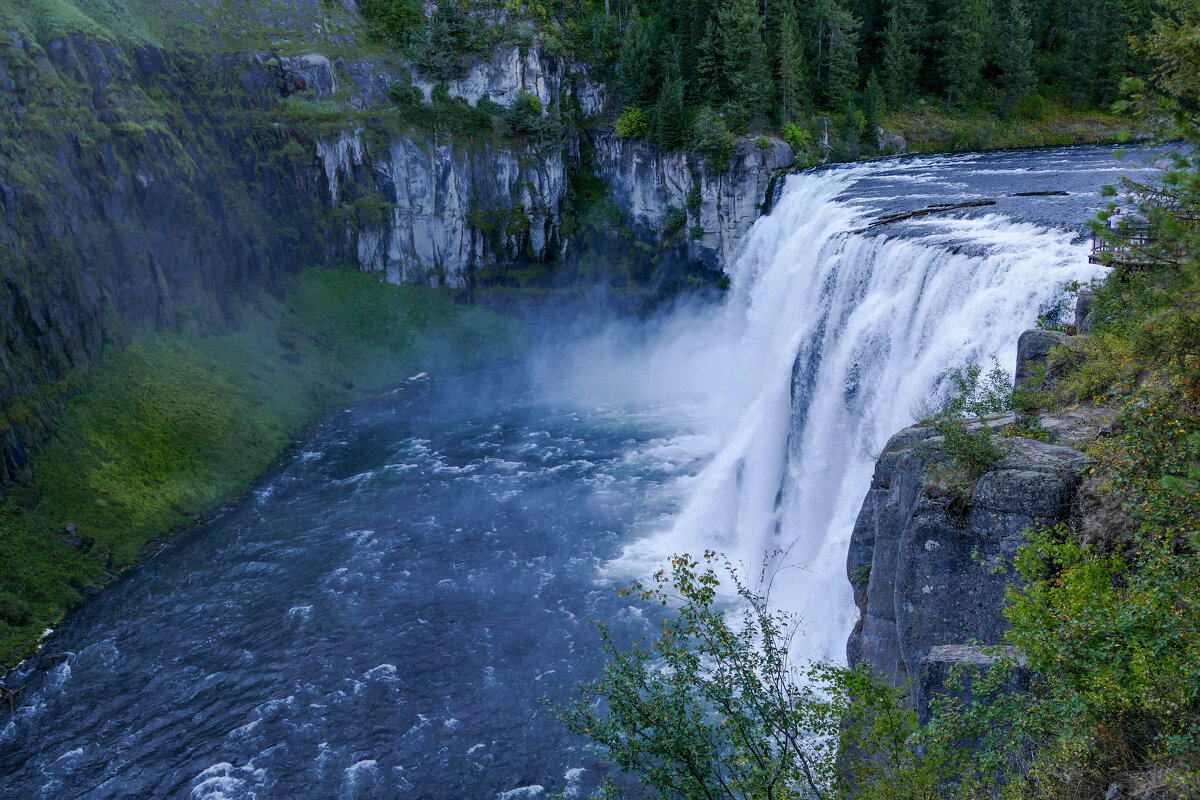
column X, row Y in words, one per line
column 837, row 338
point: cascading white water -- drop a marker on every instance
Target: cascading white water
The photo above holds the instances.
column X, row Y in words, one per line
column 836, row 337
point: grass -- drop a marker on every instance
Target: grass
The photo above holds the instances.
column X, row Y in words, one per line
column 932, row 129
column 176, row 424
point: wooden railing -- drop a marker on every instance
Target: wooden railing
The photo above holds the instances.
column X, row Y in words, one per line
column 1122, row 247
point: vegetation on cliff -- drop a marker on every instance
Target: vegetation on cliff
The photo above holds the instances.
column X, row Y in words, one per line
column 162, row 431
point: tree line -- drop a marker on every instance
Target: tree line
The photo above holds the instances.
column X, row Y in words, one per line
column 686, row 64
column 780, row 60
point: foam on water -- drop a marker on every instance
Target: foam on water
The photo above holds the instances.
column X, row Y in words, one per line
column 837, row 337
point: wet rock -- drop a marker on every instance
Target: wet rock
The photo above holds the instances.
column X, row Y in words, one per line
column 1083, row 310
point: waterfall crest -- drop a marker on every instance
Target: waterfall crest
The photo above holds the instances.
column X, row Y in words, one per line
column 839, row 337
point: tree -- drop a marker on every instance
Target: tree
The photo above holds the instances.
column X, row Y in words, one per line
column 1016, row 52
column 441, row 56
column 742, row 72
column 901, row 56
column 965, row 33
column 637, row 80
column 873, row 107
column 841, row 67
column 670, row 120
column 792, row 79
column 710, row 709
column 395, row 21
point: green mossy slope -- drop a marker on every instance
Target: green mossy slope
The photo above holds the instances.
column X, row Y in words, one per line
column 170, row 427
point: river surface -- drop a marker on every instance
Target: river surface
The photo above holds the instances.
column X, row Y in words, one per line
column 382, row 616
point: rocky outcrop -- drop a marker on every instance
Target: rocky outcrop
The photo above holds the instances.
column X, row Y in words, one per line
column 927, row 567
column 649, row 185
column 452, row 209
column 949, row 669
column 1033, row 353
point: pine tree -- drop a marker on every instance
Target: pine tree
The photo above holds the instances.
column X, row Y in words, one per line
column 873, row 108
column 901, row 57
column 792, row 79
column 708, row 65
column 841, row 67
column 1016, row 52
column 670, row 122
column 965, row 41
column 743, row 64
column 636, row 79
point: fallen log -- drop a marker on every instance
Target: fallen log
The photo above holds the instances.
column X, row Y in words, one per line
column 935, row 208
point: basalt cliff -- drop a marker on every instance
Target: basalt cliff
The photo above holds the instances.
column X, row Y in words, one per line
column 162, row 159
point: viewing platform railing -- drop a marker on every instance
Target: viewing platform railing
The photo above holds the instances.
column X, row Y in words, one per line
column 1123, row 246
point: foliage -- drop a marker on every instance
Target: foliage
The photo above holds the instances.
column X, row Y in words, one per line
column 670, row 115
column 710, row 139
column 526, row 117
column 1115, row 643
column 395, row 21
column 798, row 138
column 972, row 448
column 676, row 220
column 715, row 707
column 633, row 123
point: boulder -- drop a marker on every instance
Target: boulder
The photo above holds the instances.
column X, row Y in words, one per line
column 1033, row 350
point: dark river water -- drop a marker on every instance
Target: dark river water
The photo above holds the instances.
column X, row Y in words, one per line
column 379, row 619
column 382, row 616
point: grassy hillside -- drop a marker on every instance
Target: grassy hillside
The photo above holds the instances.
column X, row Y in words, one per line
column 176, row 424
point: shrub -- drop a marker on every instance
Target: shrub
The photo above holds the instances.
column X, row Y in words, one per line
column 715, row 707
column 394, row 21
column 972, row 394
column 762, row 143
column 711, row 140
column 797, row 137
column 405, row 94
column 675, row 221
column 525, row 118
column 633, row 123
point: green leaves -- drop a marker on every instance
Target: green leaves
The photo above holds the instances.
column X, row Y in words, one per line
column 714, row 707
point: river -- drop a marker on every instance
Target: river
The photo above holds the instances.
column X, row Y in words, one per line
column 382, row 616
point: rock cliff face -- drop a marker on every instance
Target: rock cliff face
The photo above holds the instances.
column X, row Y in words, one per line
column 114, row 210
column 720, row 206
column 924, row 565
column 147, row 184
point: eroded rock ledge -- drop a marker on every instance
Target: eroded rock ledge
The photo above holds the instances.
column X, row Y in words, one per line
column 930, row 568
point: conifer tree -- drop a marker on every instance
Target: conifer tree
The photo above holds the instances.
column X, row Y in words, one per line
column 965, row 39
column 901, row 56
column 793, row 80
column 1016, row 52
column 708, row 65
column 842, row 60
column 636, row 80
column 670, row 122
column 873, row 107
column 743, row 66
